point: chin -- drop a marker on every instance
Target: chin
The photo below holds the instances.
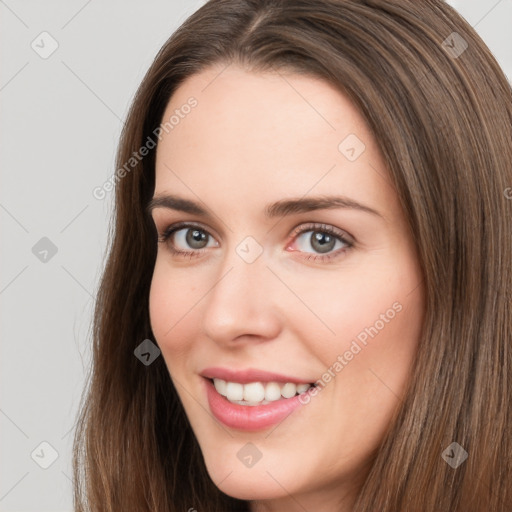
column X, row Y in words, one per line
column 247, row 483
column 250, row 489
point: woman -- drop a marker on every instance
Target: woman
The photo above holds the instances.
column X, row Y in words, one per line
column 307, row 302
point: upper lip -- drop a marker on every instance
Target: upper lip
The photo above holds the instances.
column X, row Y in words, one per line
column 249, row 375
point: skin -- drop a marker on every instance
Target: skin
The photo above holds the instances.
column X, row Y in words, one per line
column 253, row 139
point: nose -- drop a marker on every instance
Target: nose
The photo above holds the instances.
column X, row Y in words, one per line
column 241, row 305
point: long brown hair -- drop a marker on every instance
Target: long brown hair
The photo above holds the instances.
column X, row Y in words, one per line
column 440, row 110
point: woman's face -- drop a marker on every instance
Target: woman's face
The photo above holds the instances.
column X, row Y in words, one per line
column 299, row 269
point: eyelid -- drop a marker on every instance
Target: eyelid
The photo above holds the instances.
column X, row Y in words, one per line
column 323, row 258
column 323, row 227
column 171, row 228
column 178, row 226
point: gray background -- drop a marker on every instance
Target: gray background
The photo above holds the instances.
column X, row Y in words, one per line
column 60, row 123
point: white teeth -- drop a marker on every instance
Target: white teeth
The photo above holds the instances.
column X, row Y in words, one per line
column 254, row 392
column 289, row 390
column 257, row 393
column 272, row 391
column 220, row 386
column 234, row 391
column 302, row 387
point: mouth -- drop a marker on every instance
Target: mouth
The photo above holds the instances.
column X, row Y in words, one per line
column 253, row 400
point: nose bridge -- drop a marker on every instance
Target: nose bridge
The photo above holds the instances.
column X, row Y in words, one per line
column 242, row 272
column 240, row 300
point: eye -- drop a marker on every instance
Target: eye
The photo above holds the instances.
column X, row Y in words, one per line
column 191, row 237
column 182, row 237
column 326, row 241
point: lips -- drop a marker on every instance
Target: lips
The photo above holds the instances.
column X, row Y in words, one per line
column 252, row 399
column 250, row 375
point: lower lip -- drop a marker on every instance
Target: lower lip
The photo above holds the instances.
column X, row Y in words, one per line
column 248, row 417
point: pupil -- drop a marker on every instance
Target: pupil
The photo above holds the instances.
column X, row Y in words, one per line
column 196, row 238
column 326, row 242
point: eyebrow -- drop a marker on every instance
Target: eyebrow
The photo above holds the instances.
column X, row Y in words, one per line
column 280, row 208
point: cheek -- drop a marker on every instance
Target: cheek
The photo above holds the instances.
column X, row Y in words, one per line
column 359, row 313
column 383, row 339
column 171, row 308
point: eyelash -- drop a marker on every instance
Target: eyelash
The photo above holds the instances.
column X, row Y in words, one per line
column 321, row 228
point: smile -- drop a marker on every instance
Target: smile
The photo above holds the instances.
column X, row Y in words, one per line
column 252, row 400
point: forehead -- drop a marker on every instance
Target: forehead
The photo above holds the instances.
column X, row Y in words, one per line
column 265, row 136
